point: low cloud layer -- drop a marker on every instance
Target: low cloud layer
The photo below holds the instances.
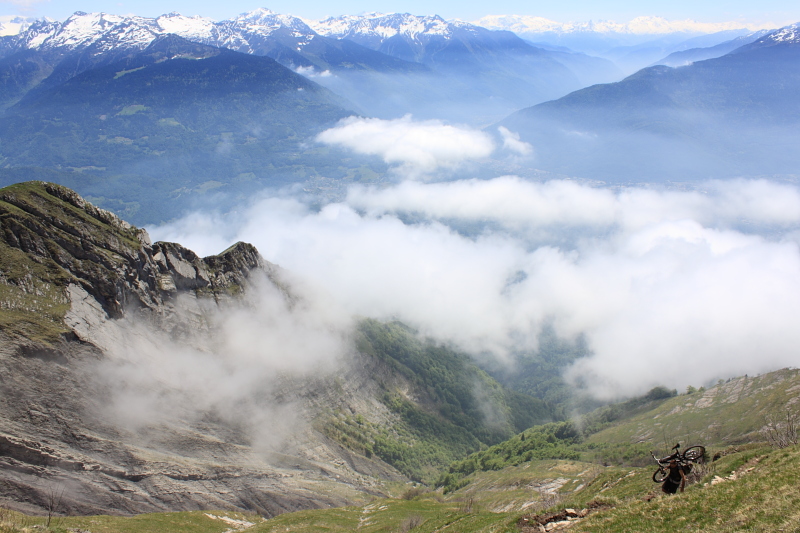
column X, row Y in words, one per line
column 512, row 142
column 668, row 287
column 312, row 73
column 245, row 366
column 416, row 148
column 519, row 204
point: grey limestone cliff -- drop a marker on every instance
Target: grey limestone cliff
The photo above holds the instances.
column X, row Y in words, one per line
column 76, row 284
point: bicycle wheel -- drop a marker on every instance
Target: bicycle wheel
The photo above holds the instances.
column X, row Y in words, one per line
column 659, row 475
column 695, row 454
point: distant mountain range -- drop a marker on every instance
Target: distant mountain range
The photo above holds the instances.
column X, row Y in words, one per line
column 187, row 105
column 645, row 25
column 736, row 115
column 140, row 112
column 685, row 57
column 86, row 40
column 164, row 124
column 631, row 46
column 453, row 46
column 422, row 66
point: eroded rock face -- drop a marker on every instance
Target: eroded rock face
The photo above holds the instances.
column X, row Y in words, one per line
column 55, row 435
column 78, row 243
column 81, row 279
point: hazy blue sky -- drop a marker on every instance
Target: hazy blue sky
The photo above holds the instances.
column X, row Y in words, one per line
column 779, row 11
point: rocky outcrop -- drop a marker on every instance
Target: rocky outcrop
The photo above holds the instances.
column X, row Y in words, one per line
column 65, row 241
column 74, row 280
column 56, row 436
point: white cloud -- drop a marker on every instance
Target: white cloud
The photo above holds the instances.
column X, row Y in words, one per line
column 311, row 72
column 557, row 204
column 650, row 277
column 416, row 147
column 511, row 142
column 509, row 200
column 236, row 364
column 646, row 25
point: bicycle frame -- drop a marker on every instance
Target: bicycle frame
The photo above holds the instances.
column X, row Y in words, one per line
column 697, row 454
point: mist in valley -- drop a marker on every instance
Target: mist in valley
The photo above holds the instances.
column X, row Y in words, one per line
column 240, row 371
column 656, row 279
column 648, row 225
column 468, row 234
column 464, row 235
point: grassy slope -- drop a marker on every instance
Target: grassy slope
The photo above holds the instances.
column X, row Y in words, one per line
column 763, row 497
column 624, row 434
column 443, row 406
column 424, row 514
column 758, row 493
column 728, row 413
column 184, row 522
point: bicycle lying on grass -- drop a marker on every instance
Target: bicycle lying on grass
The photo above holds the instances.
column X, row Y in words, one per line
column 693, row 454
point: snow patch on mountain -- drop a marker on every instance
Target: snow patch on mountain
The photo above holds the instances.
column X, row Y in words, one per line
column 385, row 26
column 788, row 34
column 81, row 29
column 192, row 28
column 263, row 19
column 105, row 31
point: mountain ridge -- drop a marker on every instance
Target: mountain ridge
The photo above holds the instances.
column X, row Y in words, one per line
column 646, row 25
column 176, row 114
column 685, row 57
column 130, row 373
column 246, row 33
column 739, row 110
column 420, row 56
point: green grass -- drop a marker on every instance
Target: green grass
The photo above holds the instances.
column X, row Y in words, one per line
column 183, row 522
column 426, row 515
column 550, row 441
column 762, row 499
column 447, row 418
column 531, row 486
column 729, row 413
column 32, row 299
column 762, row 496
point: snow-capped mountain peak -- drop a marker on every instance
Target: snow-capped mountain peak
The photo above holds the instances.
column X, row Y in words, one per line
column 384, row 26
column 83, row 30
column 256, row 14
column 264, row 18
column 79, row 30
column 104, row 31
column 786, row 35
column 193, row 28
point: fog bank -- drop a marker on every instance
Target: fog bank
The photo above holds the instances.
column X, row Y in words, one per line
column 245, row 366
column 707, row 278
